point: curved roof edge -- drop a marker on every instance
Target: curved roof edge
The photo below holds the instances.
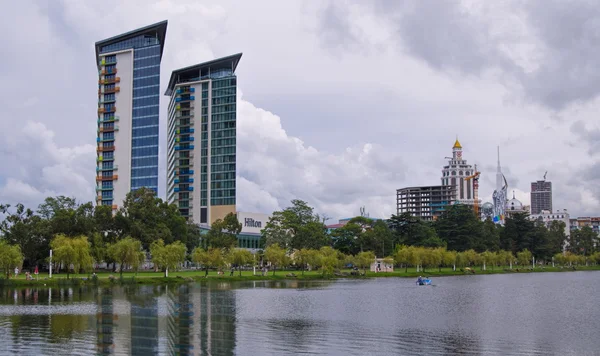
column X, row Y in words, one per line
column 232, row 60
column 160, row 28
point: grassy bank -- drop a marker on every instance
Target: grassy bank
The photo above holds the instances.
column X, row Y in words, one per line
column 107, row 278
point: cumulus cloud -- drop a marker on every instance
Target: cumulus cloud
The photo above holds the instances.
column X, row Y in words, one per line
column 339, row 131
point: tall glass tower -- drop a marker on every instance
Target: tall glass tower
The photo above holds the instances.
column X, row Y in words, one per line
column 201, row 139
column 128, row 103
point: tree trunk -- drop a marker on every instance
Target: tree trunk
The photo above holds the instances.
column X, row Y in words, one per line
column 273, row 269
column 166, row 272
column 240, row 269
column 206, row 269
column 406, row 268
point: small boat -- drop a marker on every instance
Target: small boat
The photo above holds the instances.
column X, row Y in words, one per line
column 424, row 282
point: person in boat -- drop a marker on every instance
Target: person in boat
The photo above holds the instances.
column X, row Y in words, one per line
column 420, row 280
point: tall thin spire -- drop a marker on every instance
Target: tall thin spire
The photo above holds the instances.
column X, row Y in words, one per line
column 499, row 169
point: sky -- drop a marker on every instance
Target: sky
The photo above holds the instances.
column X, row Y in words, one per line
column 340, row 102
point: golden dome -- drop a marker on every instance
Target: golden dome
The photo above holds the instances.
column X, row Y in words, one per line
column 457, row 144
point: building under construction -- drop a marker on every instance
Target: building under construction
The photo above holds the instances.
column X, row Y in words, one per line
column 427, row 203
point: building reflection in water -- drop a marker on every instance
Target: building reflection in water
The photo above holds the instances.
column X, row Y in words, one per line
column 199, row 320
column 144, row 320
column 105, row 322
column 217, row 317
column 180, row 320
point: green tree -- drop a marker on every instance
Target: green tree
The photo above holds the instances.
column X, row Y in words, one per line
column 276, row 255
column 29, row 231
column 72, row 252
column 295, row 227
column 330, row 259
column 212, row 257
column 459, row 227
column 345, row 238
column 167, row 256
column 223, row 233
column 65, row 216
column 524, row 257
column 403, row 256
column 239, row 257
column 10, row 257
column 147, row 218
column 583, row 241
column 127, row 252
column 364, row 260
column 556, row 236
column 98, row 248
column 449, row 259
column 491, row 236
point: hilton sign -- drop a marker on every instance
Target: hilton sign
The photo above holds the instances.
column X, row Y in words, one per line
column 249, row 222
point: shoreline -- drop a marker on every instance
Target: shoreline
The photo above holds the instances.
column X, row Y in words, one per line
column 130, row 278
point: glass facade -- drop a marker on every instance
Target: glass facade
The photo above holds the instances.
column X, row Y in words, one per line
column 145, row 107
column 223, row 138
column 202, row 138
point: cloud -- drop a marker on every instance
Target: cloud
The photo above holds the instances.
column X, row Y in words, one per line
column 286, row 168
column 344, row 102
column 37, row 167
column 549, row 48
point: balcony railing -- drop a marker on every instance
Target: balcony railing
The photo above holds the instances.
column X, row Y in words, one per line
column 113, row 168
column 191, row 123
column 105, row 149
column 183, row 148
column 183, row 172
column 188, row 180
column 103, row 110
column 99, row 189
column 115, row 207
column 186, row 90
column 115, row 90
column 179, row 115
column 105, row 139
column 184, row 99
column 108, row 129
column 112, row 119
column 188, row 189
column 105, row 71
column 109, row 81
column 101, row 178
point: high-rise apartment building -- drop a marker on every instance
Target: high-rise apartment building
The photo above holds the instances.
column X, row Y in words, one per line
column 128, row 106
column 201, row 139
column 541, row 196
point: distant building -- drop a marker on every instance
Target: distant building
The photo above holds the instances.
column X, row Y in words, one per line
column 455, row 174
column 427, row 203
column 547, row 217
column 343, row 222
column 541, row 196
column 580, row 222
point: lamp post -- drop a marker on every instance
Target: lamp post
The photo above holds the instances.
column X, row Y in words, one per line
column 50, row 263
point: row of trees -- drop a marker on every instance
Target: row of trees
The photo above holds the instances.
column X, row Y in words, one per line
column 143, row 217
column 458, row 229
column 146, row 223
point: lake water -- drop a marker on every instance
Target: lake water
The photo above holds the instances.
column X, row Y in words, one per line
column 517, row 314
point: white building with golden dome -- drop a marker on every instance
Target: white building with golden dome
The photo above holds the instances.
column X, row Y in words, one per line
column 455, row 174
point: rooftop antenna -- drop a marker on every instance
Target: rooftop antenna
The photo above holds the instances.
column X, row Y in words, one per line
column 545, row 175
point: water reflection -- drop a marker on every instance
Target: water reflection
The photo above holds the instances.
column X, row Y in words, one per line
column 474, row 315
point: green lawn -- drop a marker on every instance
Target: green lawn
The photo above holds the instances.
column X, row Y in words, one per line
column 150, row 277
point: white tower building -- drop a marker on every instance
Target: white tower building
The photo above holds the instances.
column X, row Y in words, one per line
column 454, row 174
